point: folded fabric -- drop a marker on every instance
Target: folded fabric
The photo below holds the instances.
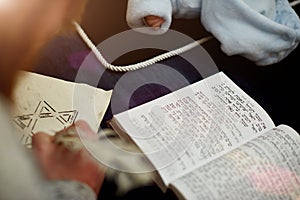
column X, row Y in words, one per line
column 245, row 32
column 263, row 32
column 265, row 7
column 138, row 9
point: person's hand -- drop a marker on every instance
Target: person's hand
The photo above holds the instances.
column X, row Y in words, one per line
column 60, row 163
column 154, row 21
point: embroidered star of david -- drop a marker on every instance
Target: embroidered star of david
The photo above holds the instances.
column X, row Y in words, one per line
column 43, row 117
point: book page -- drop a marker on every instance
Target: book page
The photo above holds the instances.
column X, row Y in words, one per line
column 47, row 104
column 189, row 127
column 267, row 167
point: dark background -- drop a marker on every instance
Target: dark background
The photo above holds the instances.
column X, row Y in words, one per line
column 274, row 87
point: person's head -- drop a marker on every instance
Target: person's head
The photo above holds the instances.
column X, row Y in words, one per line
column 26, row 26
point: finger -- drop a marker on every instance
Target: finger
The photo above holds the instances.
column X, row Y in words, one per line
column 42, row 145
column 40, row 140
column 157, row 24
column 84, row 128
column 150, row 22
column 152, row 17
column 83, row 125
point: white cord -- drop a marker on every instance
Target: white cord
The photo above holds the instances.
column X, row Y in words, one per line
column 139, row 65
column 146, row 63
column 294, row 3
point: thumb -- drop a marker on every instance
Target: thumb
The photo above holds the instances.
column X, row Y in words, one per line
column 85, row 130
column 41, row 140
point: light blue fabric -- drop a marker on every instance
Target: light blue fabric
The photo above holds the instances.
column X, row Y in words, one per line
column 264, row 33
column 186, row 8
column 243, row 31
column 265, row 7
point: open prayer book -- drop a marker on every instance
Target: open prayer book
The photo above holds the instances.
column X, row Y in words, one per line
column 210, row 140
column 43, row 103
